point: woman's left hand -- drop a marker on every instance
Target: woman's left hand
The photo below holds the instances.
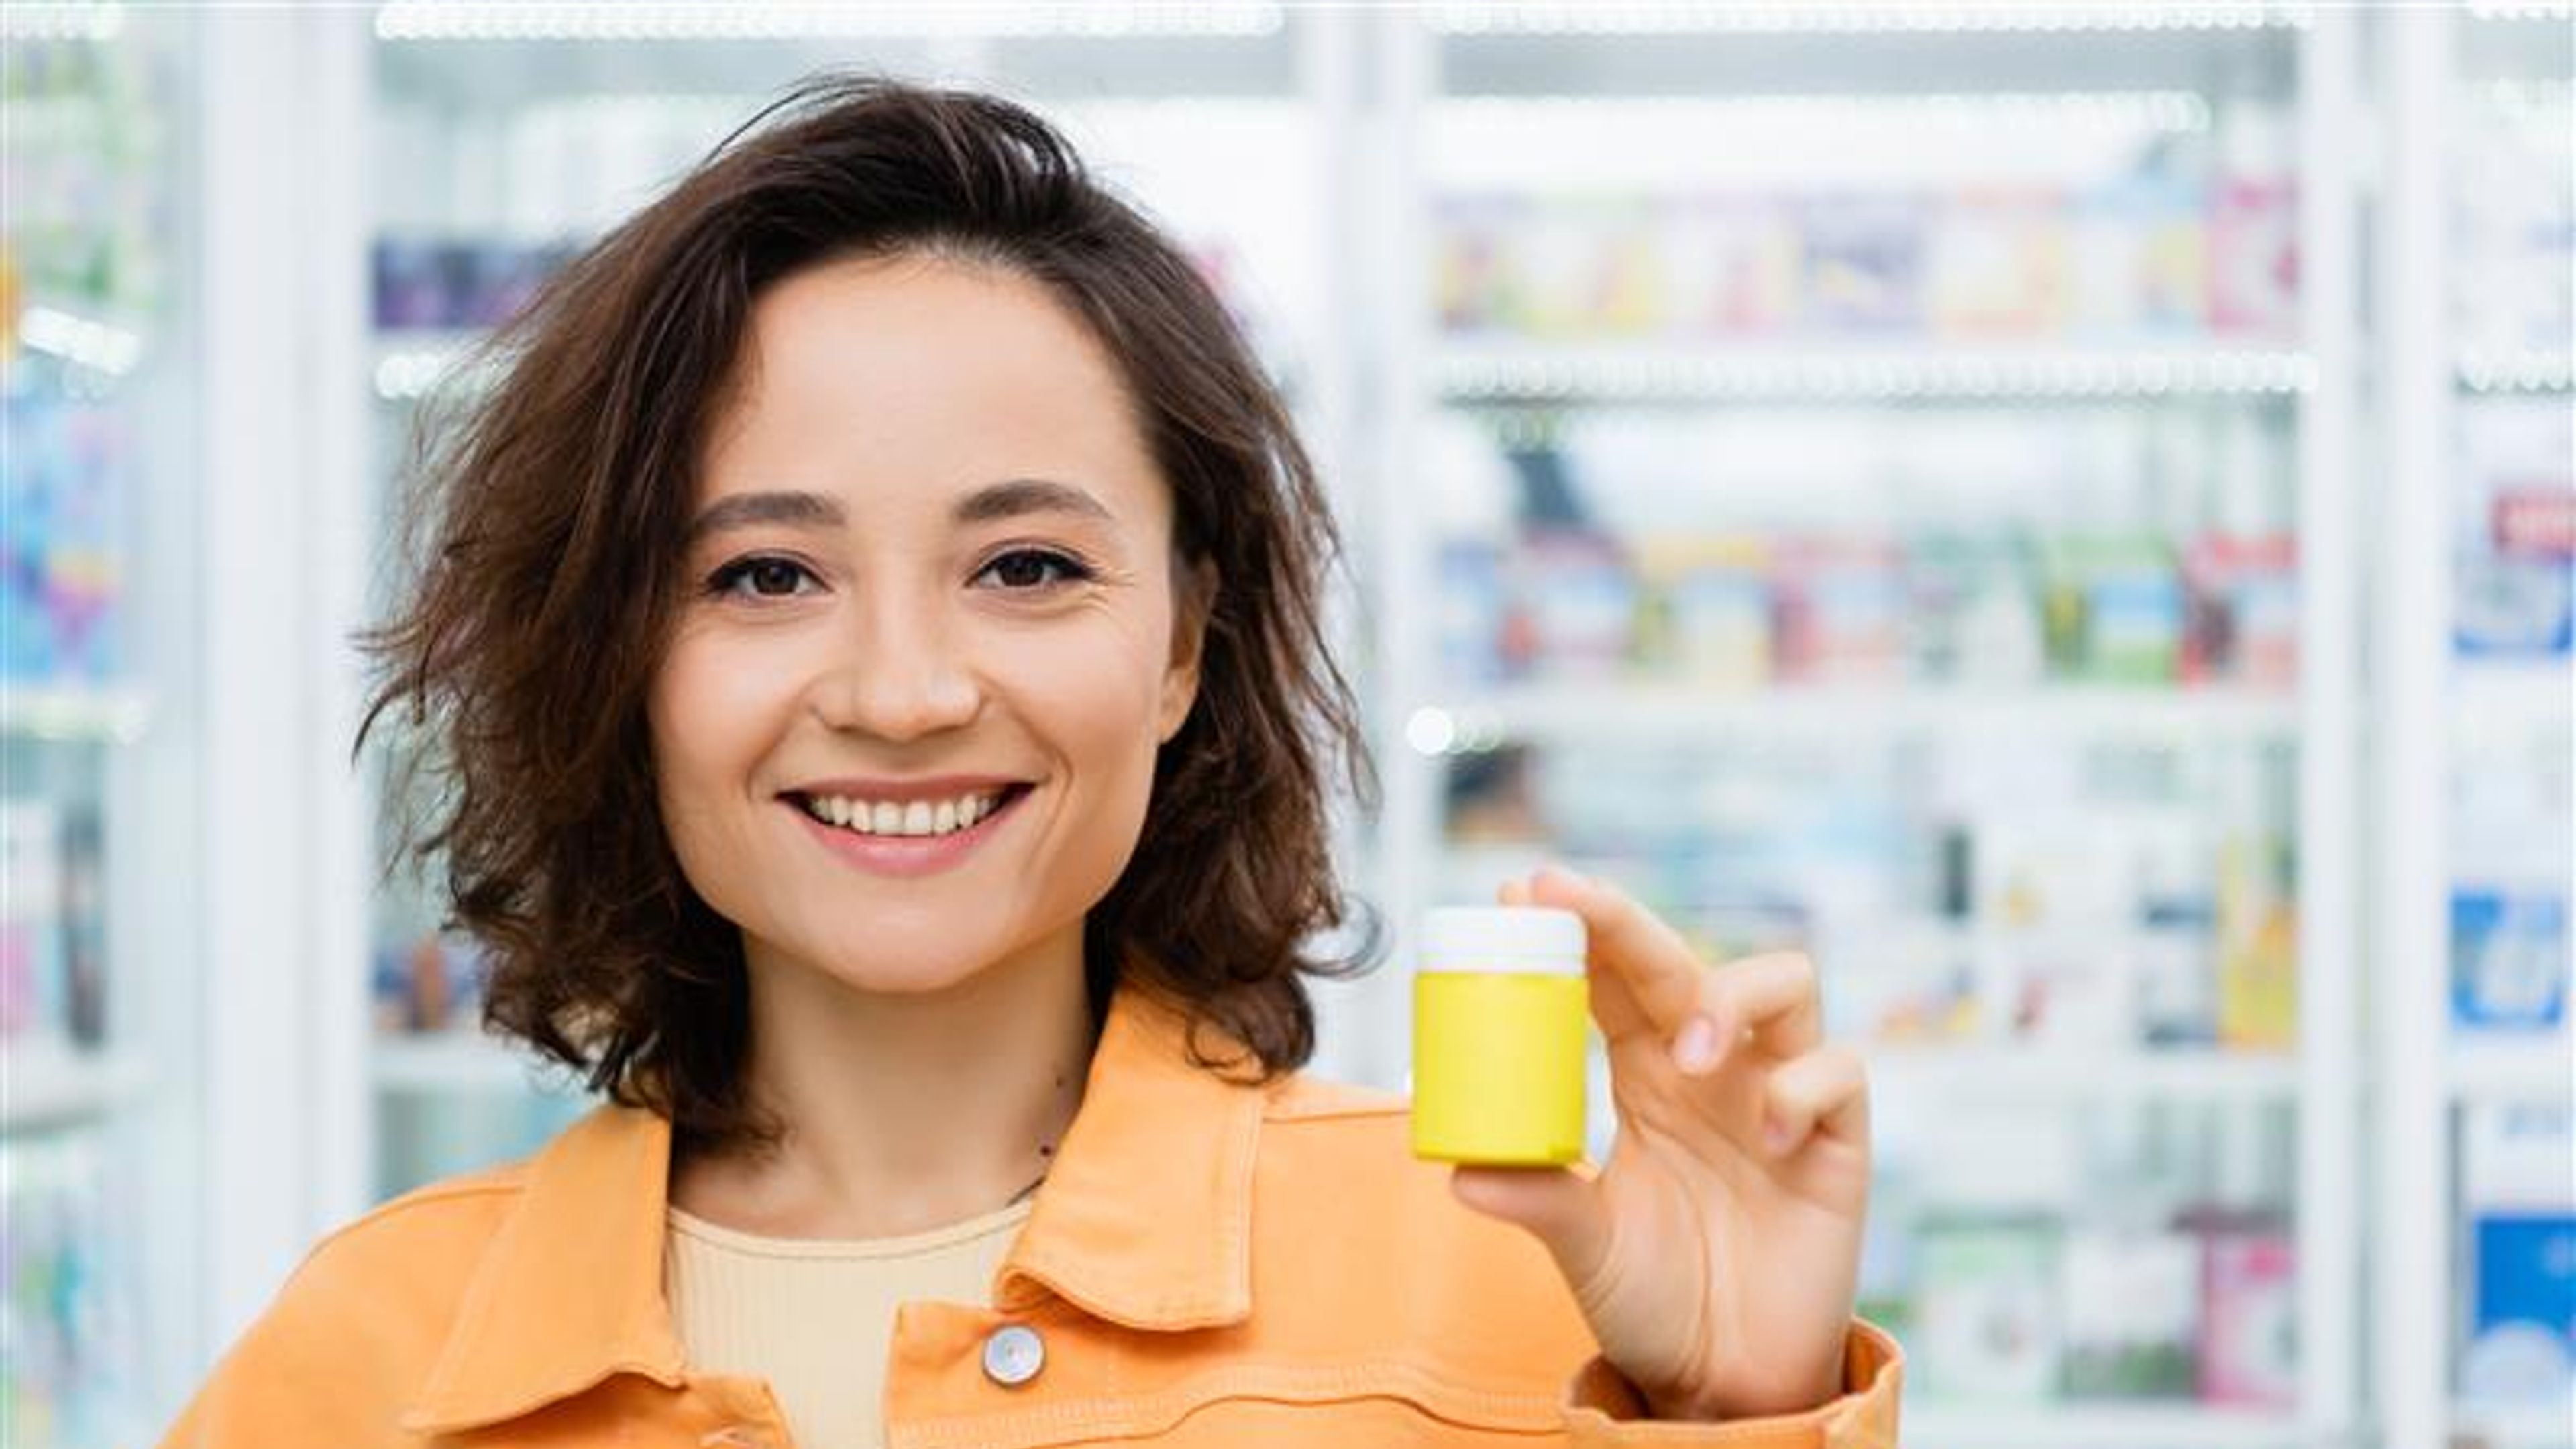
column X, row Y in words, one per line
column 1715, row 1255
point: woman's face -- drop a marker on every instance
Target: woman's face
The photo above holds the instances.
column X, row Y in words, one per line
column 905, row 726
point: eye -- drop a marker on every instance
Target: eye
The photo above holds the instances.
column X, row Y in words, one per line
column 766, row 577
column 1027, row 570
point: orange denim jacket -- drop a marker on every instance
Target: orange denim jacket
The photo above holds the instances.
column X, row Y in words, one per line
column 1210, row 1263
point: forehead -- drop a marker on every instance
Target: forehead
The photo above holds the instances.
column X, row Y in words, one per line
column 918, row 372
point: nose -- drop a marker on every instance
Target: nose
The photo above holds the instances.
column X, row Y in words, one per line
column 897, row 674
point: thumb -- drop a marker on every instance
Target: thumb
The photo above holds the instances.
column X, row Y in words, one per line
column 1559, row 1207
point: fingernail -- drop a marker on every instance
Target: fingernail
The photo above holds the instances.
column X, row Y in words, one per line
column 1696, row 1051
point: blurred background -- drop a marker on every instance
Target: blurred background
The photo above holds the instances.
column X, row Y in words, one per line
column 2064, row 512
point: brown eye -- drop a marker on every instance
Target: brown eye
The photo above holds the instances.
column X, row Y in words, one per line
column 1029, row 569
column 768, row 578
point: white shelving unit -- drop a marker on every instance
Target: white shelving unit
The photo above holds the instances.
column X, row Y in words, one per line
column 1553, row 62
column 2441, row 713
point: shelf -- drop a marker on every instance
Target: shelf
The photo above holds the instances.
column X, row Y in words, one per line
column 47, row 1084
column 2057, row 1072
column 2142, row 1426
column 2507, row 1068
column 2514, row 1426
column 2514, row 691
column 74, row 712
column 410, row 364
column 1518, row 371
column 460, row 1061
column 1676, row 712
column 593, row 21
column 2515, row 372
column 1847, row 17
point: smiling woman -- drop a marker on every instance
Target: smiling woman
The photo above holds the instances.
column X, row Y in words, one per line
column 877, row 717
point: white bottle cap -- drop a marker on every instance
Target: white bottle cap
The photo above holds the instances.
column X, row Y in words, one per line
column 1536, row 940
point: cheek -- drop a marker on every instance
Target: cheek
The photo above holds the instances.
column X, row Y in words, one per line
column 708, row 708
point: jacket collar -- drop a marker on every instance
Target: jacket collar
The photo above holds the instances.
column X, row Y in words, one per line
column 1145, row 1220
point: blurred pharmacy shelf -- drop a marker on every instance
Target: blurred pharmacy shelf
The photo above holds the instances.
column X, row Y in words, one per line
column 1913, row 522
column 459, row 1061
column 2102, row 1427
column 1618, row 708
column 2517, row 1426
column 2503, row 1069
column 2512, row 372
column 2040, row 1073
column 1500, row 373
column 45, row 1086
column 2473, row 704
column 76, row 712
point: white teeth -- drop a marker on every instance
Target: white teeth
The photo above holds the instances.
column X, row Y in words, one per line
column 915, row 818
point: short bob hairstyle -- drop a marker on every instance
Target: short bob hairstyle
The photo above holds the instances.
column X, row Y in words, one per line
column 547, row 531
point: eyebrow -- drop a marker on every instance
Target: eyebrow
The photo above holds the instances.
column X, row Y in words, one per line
column 1016, row 496
column 1011, row 498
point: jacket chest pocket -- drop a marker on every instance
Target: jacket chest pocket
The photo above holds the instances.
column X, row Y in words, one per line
column 1096, row 1384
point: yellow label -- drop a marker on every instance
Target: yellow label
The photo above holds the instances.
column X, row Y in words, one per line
column 1498, row 1067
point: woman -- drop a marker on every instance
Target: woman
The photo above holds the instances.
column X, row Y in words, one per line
column 870, row 643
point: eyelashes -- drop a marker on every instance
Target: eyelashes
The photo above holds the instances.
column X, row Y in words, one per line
column 1025, row 570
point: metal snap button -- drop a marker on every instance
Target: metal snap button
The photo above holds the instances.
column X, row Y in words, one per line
column 1013, row 1354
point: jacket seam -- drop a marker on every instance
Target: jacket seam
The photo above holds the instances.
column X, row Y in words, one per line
column 1160, row 1411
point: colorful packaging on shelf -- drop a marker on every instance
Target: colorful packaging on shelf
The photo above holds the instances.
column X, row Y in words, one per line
column 2518, row 1200
column 1736, row 267
column 2258, row 960
column 1477, row 279
column 1862, row 262
column 61, row 574
column 1998, row 266
column 1715, row 595
column 35, row 948
column 1840, row 610
column 72, row 1375
column 2522, row 1314
column 2132, row 1307
column 1986, row 1320
column 2128, row 608
column 1470, row 606
column 2509, row 960
column 2254, row 229
column 1582, row 601
column 2243, row 610
column 2249, row 1350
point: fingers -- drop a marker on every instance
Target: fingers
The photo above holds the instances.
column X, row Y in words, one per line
column 1770, row 999
column 1651, row 960
column 1561, row 1208
column 1823, row 1093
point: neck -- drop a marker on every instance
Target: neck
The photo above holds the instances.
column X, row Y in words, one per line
column 903, row 1111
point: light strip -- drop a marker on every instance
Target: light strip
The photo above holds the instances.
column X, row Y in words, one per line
column 1842, row 17
column 2518, row 371
column 1466, row 376
column 596, row 20
column 2561, row 11
column 2175, row 111
column 62, row 22
column 97, row 346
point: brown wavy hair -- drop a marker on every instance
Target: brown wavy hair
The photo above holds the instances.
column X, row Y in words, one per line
column 547, row 528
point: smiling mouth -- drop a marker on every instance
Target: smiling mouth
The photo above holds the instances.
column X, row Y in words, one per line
column 921, row 819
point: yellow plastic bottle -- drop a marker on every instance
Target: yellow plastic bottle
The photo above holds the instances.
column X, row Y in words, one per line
column 1500, row 1021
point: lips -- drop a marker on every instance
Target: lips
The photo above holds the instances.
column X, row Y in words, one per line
column 926, row 837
